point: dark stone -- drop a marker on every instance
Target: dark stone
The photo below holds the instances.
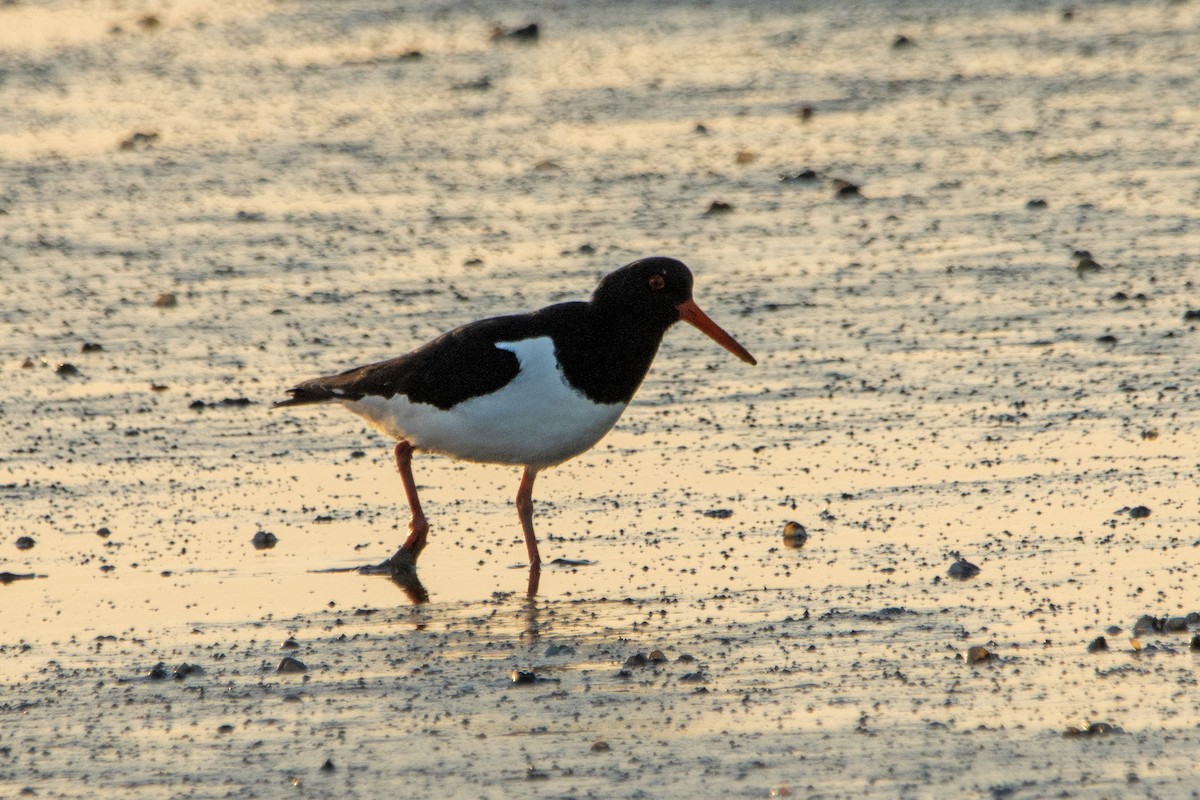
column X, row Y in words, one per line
column 290, row 666
column 264, row 540
column 803, row 176
column 979, row 654
column 962, row 570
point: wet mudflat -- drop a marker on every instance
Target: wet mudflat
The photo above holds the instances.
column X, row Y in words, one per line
column 968, row 273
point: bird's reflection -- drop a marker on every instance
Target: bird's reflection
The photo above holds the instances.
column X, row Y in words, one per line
column 410, row 584
column 402, row 571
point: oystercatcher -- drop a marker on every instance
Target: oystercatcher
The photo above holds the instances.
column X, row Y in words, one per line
column 528, row 389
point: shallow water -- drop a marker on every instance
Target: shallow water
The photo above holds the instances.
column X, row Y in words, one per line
column 935, row 378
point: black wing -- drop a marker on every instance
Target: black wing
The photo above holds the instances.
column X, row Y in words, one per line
column 456, row 366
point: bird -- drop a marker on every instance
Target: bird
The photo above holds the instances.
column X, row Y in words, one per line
column 530, row 390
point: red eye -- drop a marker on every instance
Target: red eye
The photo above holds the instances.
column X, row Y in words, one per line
column 657, row 282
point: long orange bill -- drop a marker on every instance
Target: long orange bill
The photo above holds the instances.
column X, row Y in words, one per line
column 690, row 313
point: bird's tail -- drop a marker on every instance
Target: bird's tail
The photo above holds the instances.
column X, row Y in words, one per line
column 306, row 395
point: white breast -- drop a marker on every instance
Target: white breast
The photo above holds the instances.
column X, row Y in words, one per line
column 536, row 419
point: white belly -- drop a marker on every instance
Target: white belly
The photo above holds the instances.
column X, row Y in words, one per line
column 537, row 419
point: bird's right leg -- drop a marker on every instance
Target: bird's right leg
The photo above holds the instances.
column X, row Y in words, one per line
column 418, row 526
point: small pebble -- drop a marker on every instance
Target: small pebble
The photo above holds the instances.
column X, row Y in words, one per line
column 158, row 672
column 718, row 207
column 601, row 747
column 225, row 729
column 656, row 657
column 25, row 542
column 846, row 188
column 1195, row 643
column 794, row 535
column 1093, row 729
column 290, row 644
column 1147, row 624
column 138, row 140
column 166, row 300
column 67, row 370
column 962, row 570
column 328, row 766
column 1139, row 512
column 635, row 660
column 1175, row 624
column 264, row 540
column 1085, row 263
column 901, row 42
column 978, row 654
column 803, row 176
column 526, row 33
column 560, row 650
column 1097, row 645
column 186, row 670
column 522, row 678
column 290, row 666
column 1037, row 203
column 1191, row 315
column 91, row 347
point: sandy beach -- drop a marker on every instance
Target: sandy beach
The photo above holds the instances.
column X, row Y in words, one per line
column 960, row 238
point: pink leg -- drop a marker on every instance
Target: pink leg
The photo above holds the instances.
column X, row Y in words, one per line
column 525, row 512
column 418, row 526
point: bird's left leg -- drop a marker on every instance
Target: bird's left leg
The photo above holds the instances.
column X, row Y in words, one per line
column 525, row 512
column 418, row 526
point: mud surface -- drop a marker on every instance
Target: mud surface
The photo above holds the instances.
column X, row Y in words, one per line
column 202, row 203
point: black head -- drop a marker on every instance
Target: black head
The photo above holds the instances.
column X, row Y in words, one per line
column 656, row 292
column 651, row 289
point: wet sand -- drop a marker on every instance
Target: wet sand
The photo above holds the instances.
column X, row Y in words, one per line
column 228, row 199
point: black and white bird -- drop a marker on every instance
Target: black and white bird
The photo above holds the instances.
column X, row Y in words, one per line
column 531, row 390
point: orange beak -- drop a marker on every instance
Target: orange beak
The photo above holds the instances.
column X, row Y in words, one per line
column 690, row 313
